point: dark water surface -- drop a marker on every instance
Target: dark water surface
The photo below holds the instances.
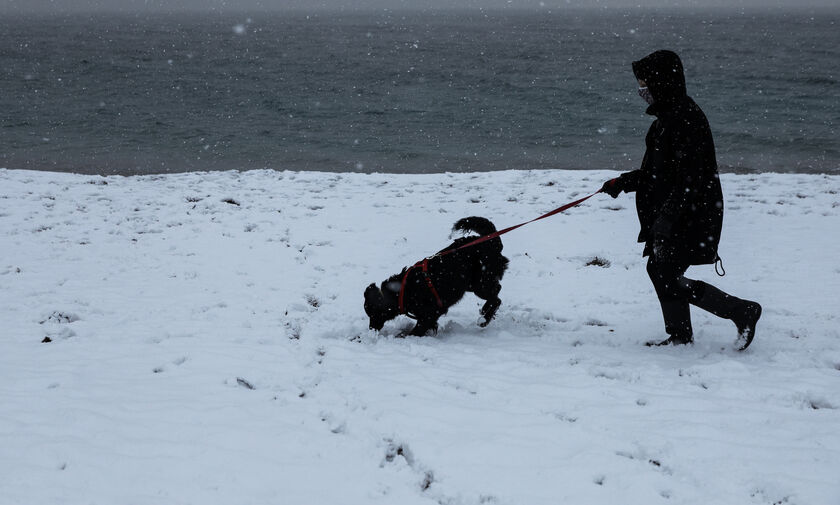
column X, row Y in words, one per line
column 406, row 92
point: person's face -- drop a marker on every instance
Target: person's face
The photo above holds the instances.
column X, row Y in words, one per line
column 644, row 92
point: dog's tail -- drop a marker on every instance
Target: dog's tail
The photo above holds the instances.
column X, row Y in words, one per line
column 490, row 250
column 480, row 225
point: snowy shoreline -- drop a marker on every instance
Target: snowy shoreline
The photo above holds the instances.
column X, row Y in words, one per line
column 208, row 345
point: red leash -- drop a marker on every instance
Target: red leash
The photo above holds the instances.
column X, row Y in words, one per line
column 425, row 263
column 502, row 232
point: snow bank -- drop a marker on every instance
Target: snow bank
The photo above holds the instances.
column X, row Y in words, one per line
column 207, row 344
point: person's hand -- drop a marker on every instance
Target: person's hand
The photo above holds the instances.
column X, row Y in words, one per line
column 613, row 187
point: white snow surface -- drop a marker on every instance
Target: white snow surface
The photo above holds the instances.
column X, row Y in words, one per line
column 209, row 346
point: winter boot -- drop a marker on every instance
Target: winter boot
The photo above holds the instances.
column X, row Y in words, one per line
column 744, row 313
column 677, row 318
column 745, row 320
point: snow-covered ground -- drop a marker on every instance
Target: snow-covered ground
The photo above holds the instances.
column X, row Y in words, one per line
column 209, row 346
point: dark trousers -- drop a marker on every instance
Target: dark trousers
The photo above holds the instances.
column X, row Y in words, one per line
column 675, row 292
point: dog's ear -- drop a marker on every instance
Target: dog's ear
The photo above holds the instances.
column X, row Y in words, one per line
column 373, row 299
column 373, row 307
column 370, row 291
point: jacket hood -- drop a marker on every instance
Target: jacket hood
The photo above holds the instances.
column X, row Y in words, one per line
column 662, row 71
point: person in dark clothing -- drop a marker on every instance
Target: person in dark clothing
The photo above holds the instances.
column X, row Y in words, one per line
column 680, row 203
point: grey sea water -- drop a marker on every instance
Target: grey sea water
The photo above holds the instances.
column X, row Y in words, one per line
column 407, row 92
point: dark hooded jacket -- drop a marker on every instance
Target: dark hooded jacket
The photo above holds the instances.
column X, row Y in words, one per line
column 678, row 194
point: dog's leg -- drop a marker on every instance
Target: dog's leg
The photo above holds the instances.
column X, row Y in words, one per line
column 491, row 294
column 423, row 327
column 489, row 310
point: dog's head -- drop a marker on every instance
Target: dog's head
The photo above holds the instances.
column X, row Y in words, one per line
column 377, row 308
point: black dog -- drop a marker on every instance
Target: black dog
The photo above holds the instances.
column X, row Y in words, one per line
column 427, row 290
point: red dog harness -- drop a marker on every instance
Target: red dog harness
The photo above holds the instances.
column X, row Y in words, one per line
column 425, row 265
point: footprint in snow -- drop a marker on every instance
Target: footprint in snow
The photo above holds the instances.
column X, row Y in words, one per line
column 818, row 403
column 177, row 362
column 60, row 318
column 336, row 426
column 762, row 495
column 400, row 453
column 595, row 322
column 560, row 416
column 320, row 353
column 640, row 456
